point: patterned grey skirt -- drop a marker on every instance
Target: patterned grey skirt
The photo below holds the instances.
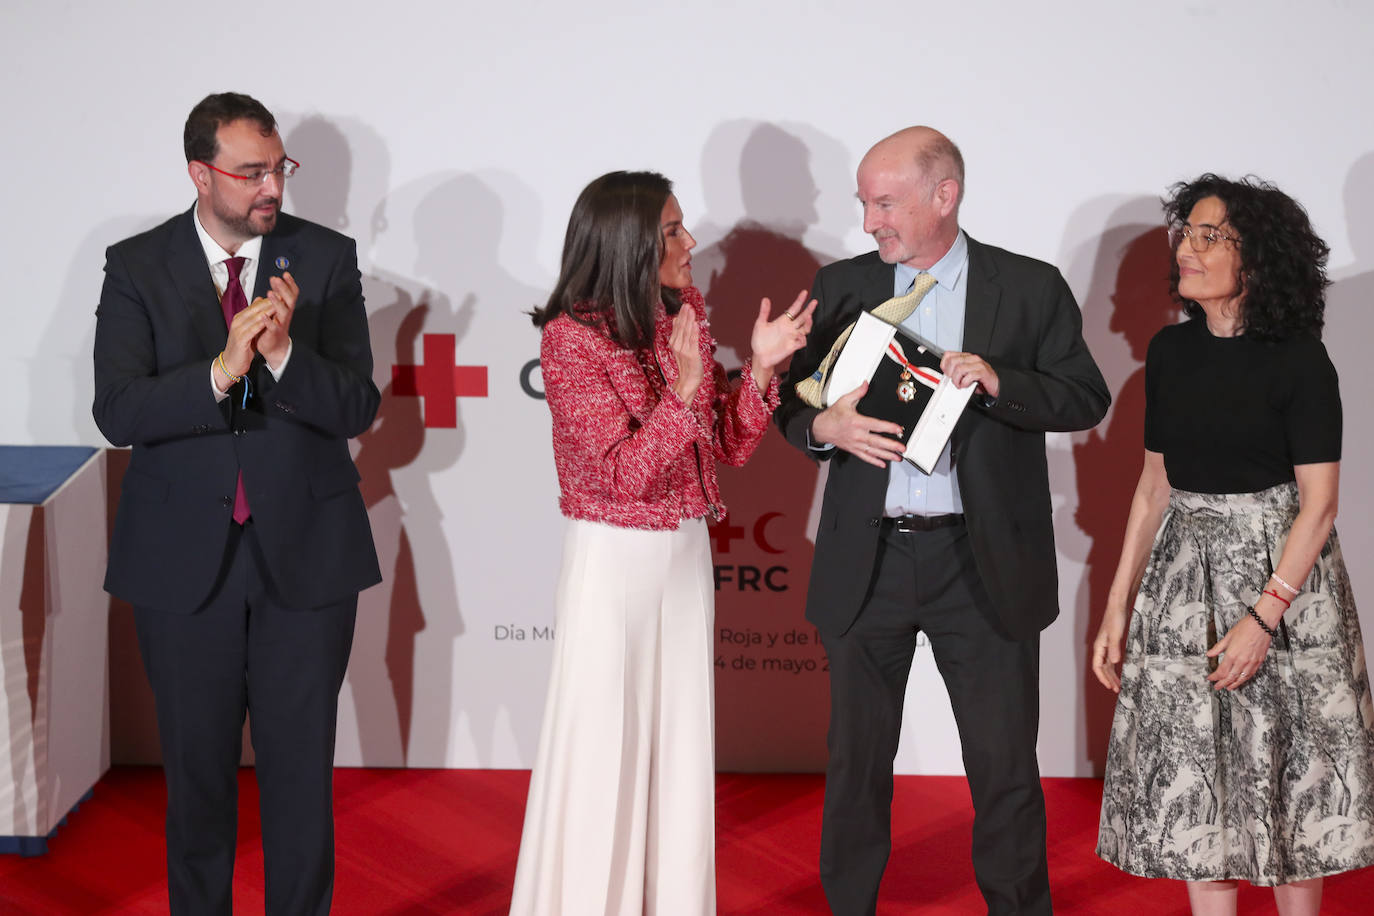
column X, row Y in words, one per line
column 1271, row 783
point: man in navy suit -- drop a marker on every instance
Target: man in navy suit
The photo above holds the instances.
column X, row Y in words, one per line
column 232, row 353
column 964, row 555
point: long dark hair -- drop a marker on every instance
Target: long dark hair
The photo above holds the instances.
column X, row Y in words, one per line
column 611, row 258
column 1282, row 260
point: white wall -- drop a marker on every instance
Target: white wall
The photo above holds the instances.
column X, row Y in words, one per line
column 451, row 138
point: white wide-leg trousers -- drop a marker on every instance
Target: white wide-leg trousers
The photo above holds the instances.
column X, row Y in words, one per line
column 620, row 819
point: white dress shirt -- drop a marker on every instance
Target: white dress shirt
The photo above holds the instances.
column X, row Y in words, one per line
column 216, row 257
column 939, row 319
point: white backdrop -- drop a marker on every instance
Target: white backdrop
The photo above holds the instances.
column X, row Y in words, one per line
column 451, row 138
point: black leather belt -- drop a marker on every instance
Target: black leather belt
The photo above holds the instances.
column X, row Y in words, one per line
column 909, row 523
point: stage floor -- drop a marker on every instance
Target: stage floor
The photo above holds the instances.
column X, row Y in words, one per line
column 419, row 842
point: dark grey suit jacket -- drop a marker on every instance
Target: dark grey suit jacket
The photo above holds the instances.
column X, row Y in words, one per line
column 1021, row 317
column 158, row 327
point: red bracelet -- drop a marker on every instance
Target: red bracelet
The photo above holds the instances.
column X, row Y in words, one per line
column 1274, row 594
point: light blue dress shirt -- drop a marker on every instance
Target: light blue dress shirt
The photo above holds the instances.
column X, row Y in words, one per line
column 939, row 319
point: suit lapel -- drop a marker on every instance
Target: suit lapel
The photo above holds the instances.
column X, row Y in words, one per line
column 981, row 303
column 877, row 286
column 279, row 254
column 191, row 275
column 982, row 300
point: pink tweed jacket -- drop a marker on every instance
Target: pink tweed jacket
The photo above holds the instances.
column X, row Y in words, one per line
column 628, row 451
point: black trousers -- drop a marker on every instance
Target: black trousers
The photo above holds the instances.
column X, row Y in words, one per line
column 927, row 582
column 245, row 652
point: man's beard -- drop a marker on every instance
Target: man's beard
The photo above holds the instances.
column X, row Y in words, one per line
column 896, row 255
column 248, row 224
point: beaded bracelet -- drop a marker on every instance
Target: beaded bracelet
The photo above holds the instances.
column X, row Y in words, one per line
column 1273, row 594
column 1288, row 588
column 219, row 361
column 1273, row 634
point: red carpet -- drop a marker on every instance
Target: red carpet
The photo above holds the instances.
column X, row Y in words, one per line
column 420, row 842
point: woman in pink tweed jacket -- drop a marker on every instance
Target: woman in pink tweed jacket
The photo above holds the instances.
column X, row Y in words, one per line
column 620, row 815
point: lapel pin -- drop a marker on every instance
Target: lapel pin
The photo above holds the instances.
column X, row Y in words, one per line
column 282, row 263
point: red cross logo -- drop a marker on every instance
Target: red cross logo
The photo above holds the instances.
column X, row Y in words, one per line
column 439, row 382
column 724, row 534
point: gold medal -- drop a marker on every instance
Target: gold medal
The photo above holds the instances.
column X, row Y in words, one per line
column 906, row 390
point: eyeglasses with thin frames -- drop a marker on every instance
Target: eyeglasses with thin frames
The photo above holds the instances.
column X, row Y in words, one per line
column 1199, row 238
column 259, row 176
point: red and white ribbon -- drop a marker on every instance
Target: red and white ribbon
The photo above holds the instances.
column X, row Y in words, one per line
column 929, row 377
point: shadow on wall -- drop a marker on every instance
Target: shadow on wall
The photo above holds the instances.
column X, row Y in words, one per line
column 772, row 699
column 377, row 709
column 67, row 345
column 459, row 221
column 1126, row 303
column 60, row 371
column 133, row 715
column 1347, row 334
column 415, row 691
column 474, row 697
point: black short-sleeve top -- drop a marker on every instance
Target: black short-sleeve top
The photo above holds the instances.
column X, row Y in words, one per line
column 1235, row 414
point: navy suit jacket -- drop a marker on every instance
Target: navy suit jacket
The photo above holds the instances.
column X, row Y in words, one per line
column 1021, row 317
column 158, row 327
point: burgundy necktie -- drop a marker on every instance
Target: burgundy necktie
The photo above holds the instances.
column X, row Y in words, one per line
column 233, row 302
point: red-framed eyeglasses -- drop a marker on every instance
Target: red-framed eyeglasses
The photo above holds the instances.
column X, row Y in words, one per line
column 285, row 170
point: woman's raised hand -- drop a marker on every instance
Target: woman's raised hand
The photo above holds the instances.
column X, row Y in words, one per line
column 686, row 345
column 773, row 341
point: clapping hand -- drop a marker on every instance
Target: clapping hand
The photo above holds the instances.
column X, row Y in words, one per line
column 773, row 341
column 275, row 340
column 244, row 330
column 685, row 341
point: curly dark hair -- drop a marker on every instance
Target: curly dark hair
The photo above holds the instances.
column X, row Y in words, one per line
column 611, row 257
column 1283, row 261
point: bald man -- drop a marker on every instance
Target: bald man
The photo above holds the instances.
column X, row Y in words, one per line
column 964, row 555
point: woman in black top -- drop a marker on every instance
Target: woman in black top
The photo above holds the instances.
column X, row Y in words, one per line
column 1242, row 747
